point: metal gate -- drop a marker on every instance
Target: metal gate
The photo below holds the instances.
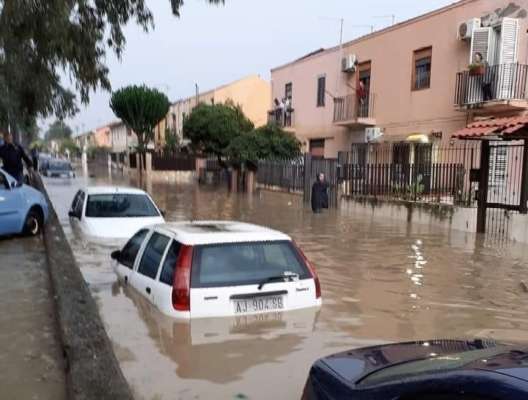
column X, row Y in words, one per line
column 503, row 194
column 314, row 166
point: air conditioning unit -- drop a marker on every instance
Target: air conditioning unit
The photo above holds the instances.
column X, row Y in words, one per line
column 466, row 29
column 373, row 133
column 349, row 63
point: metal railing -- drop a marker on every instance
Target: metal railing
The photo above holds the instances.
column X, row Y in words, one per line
column 282, row 118
column 286, row 175
column 491, row 83
column 173, row 162
column 351, row 107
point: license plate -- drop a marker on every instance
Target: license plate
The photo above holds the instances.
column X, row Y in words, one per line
column 259, row 304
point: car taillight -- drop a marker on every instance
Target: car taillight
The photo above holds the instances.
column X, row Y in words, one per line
column 181, row 288
column 312, row 271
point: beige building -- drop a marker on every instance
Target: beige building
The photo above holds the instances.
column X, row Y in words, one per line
column 409, row 82
column 252, row 93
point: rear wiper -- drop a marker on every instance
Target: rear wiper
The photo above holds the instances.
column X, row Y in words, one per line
column 290, row 276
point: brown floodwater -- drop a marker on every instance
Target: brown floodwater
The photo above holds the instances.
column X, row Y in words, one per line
column 382, row 280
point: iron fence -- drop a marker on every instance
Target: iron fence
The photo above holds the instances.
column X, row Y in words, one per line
column 281, row 117
column 490, row 83
column 286, row 175
column 173, row 162
column 412, row 172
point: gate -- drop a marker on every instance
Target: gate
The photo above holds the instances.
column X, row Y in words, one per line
column 314, row 166
column 501, row 189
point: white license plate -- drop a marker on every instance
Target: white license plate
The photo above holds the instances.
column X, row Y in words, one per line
column 258, row 305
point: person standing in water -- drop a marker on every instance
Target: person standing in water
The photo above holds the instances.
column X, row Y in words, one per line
column 320, row 194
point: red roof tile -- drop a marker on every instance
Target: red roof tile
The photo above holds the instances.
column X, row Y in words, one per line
column 492, row 127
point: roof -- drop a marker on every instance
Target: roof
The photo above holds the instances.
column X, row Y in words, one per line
column 504, row 128
column 214, row 232
column 399, row 25
column 112, row 189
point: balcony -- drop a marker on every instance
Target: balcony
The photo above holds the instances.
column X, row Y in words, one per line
column 499, row 88
column 285, row 119
column 353, row 112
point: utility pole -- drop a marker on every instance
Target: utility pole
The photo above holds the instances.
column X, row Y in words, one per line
column 197, row 93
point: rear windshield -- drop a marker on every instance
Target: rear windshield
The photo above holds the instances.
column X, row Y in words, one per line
column 60, row 166
column 120, row 205
column 236, row 264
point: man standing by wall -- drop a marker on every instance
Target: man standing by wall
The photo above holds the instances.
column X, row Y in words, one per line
column 12, row 156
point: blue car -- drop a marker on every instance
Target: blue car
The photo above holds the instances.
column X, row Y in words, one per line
column 23, row 209
column 435, row 370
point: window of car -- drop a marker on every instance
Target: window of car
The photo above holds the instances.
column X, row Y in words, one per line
column 131, row 249
column 152, row 255
column 120, row 205
column 235, row 264
column 167, row 271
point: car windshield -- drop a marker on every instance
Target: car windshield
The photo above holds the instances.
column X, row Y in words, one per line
column 59, row 166
column 237, row 264
column 120, row 205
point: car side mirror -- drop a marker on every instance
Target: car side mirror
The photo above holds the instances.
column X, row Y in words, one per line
column 116, row 255
column 72, row 214
column 163, row 213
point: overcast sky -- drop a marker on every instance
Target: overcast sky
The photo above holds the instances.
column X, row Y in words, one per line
column 213, row 45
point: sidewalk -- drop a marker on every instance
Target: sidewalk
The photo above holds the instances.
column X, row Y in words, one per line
column 31, row 363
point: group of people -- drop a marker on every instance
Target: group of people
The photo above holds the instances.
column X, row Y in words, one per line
column 283, row 109
column 13, row 157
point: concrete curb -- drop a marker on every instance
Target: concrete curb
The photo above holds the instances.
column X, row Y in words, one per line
column 92, row 370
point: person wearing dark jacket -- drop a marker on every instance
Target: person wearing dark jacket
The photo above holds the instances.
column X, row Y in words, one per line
column 12, row 156
column 319, row 194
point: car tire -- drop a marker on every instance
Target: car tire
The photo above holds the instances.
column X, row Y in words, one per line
column 33, row 223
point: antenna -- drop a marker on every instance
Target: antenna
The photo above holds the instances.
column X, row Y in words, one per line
column 391, row 16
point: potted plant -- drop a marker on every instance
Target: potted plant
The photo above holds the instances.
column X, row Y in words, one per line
column 477, row 69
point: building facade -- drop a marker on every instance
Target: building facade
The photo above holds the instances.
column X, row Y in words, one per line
column 252, row 93
column 410, row 82
column 122, row 139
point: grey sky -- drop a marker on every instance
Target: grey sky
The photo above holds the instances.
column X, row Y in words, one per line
column 213, row 45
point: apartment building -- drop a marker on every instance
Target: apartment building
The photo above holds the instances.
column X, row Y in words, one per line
column 415, row 82
column 122, row 138
column 252, row 93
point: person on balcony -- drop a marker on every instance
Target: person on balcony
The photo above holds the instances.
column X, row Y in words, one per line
column 487, row 80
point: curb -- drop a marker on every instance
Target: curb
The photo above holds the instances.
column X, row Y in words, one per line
column 92, row 369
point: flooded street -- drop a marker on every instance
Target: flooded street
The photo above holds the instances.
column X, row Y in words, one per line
column 382, row 280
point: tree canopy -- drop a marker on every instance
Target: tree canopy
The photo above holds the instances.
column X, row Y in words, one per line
column 265, row 143
column 58, row 130
column 141, row 109
column 40, row 39
column 212, row 128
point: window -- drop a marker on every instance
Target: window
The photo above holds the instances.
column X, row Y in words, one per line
column 129, row 252
column 422, row 60
column 245, row 263
column 120, row 205
column 321, row 91
column 288, row 90
column 167, row 272
column 317, row 148
column 152, row 255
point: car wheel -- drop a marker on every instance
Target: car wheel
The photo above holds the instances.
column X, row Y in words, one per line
column 33, row 223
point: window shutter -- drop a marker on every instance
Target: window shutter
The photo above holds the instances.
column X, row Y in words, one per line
column 507, row 57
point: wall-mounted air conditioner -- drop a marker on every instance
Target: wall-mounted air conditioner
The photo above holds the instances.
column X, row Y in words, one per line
column 466, row 29
column 373, row 133
column 349, row 63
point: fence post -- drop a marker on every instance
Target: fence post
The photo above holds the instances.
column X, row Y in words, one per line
column 483, row 187
column 523, row 207
column 307, row 178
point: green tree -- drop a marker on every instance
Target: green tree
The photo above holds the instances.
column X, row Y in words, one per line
column 265, row 143
column 58, row 130
column 40, row 39
column 71, row 146
column 212, row 128
column 141, row 109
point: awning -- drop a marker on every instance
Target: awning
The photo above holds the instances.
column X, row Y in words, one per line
column 497, row 128
column 417, row 138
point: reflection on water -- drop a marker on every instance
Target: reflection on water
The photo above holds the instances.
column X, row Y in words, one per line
column 382, row 280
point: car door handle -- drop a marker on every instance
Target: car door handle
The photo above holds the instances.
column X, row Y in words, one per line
column 147, row 290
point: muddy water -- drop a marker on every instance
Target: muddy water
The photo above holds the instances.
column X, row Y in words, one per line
column 382, row 280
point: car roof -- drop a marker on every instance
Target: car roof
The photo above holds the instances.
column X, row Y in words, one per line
column 112, row 189
column 214, row 232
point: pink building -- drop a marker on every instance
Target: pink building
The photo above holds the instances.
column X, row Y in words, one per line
column 409, row 82
column 103, row 137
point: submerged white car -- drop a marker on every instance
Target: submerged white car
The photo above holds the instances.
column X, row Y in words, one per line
column 217, row 269
column 113, row 212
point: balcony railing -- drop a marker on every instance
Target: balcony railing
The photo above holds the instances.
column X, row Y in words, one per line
column 352, row 108
column 282, row 118
column 493, row 83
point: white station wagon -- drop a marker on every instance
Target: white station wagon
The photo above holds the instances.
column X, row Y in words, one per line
column 217, row 269
column 113, row 212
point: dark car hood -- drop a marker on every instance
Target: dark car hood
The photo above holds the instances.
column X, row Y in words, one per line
column 396, row 361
